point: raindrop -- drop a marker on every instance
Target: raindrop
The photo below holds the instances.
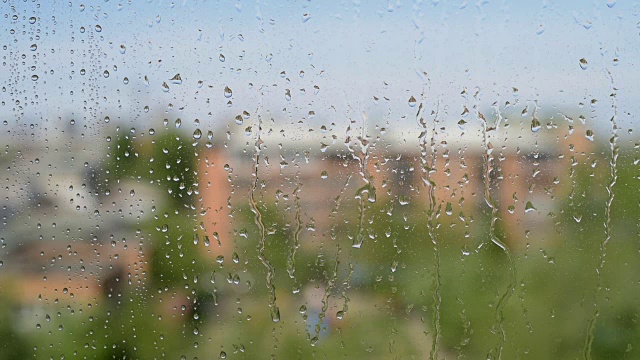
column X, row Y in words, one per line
column 197, row 134
column 239, row 120
column 33, row 47
column 178, row 123
column 412, row 101
column 306, row 17
column 287, row 94
column 583, row 64
column 589, row 135
column 32, row 20
column 98, row 28
column 165, row 86
column 221, row 58
column 535, row 125
column 529, row 207
column 123, row 49
column 34, row 77
column 176, row 79
column 324, row 175
column 125, row 80
column 105, row 73
column 227, row 92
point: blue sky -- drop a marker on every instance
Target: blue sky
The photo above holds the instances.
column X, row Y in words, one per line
column 352, row 51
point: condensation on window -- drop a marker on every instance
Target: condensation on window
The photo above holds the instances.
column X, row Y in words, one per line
column 297, row 180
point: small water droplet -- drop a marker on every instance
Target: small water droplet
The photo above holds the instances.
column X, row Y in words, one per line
column 98, row 28
column 123, row 49
column 33, row 47
column 584, row 64
column 165, row 86
column 529, row 207
column 34, row 77
column 125, row 80
column 105, row 73
column 221, row 57
column 611, row 3
column 227, row 92
column 306, row 17
column 32, row 20
column 178, row 123
column 412, row 101
column 324, row 174
column 287, row 94
column 176, row 79
column 589, row 135
column 197, row 134
column 275, row 314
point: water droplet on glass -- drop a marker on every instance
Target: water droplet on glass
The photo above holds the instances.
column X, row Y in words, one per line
column 324, row 174
column 221, row 58
column 583, row 64
column 448, row 209
column 611, row 3
column 33, row 47
column 34, row 77
column 412, row 101
column 98, row 28
column 287, row 94
column 123, row 49
column 275, row 314
column 227, row 92
column 529, row 207
column 589, row 135
column 105, row 73
column 32, row 20
column 125, row 80
column 197, row 134
column 176, row 79
column 178, row 123
column 239, row 120
column 535, row 125
column 165, row 86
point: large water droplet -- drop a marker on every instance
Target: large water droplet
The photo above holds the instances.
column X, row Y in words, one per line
column 535, row 125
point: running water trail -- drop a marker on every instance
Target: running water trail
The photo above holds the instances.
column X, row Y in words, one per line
column 275, row 312
column 496, row 352
column 613, row 176
column 291, row 260
column 428, row 167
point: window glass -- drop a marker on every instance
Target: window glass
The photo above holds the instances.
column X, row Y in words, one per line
column 268, row 179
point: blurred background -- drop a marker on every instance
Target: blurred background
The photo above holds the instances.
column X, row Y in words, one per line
column 298, row 180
